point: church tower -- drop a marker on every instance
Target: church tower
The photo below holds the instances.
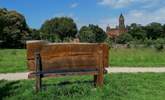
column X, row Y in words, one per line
column 108, row 29
column 121, row 22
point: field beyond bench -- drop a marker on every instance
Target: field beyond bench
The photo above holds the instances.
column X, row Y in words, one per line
column 60, row 59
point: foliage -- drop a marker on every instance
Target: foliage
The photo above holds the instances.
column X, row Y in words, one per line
column 137, row 31
column 92, row 34
column 109, row 41
column 124, row 38
column 61, row 26
column 159, row 44
column 14, row 30
column 154, row 30
column 35, row 34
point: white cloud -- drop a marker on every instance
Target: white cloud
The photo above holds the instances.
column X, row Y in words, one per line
column 124, row 3
column 74, row 5
column 143, row 17
column 115, row 3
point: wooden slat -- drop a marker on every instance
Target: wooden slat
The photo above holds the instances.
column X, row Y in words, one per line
column 66, row 55
column 58, row 74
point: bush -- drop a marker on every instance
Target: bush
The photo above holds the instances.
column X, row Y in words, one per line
column 159, row 44
column 109, row 41
column 148, row 42
column 124, row 38
column 159, row 47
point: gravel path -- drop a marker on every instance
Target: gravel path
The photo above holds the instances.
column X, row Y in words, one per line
column 23, row 75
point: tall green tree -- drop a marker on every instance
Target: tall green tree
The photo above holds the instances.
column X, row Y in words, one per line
column 124, row 38
column 14, row 30
column 154, row 30
column 163, row 30
column 92, row 33
column 137, row 31
column 59, row 26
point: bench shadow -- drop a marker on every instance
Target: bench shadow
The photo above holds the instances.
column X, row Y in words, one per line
column 7, row 88
column 65, row 83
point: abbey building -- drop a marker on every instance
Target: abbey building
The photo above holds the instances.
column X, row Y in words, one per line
column 114, row 32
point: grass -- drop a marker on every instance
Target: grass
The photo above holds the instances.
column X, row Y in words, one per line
column 140, row 86
column 137, row 57
column 14, row 60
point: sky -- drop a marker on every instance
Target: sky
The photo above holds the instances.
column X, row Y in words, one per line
column 84, row 12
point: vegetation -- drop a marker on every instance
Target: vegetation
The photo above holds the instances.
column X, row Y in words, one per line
column 143, row 86
column 124, row 38
column 136, row 57
column 59, row 26
column 13, row 29
column 12, row 60
column 92, row 34
column 14, row 32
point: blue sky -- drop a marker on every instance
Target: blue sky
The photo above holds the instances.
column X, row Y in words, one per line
column 84, row 12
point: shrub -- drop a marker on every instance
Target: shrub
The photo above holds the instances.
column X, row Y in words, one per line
column 159, row 44
column 109, row 41
column 124, row 38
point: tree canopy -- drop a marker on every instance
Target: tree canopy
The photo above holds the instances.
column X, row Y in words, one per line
column 13, row 28
column 137, row 31
column 154, row 30
column 61, row 26
column 92, row 33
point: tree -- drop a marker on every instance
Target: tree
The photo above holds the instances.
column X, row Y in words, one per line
column 92, row 33
column 35, row 34
column 154, row 30
column 61, row 26
column 124, row 38
column 14, row 30
column 137, row 31
column 163, row 30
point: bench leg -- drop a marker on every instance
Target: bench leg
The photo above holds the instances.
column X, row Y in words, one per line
column 38, row 83
column 98, row 80
column 38, row 66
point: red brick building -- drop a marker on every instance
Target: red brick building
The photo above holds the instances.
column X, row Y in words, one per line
column 114, row 32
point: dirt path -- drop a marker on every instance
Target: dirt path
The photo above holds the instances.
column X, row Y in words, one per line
column 23, row 75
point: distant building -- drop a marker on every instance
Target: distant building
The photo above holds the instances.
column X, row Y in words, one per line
column 114, row 32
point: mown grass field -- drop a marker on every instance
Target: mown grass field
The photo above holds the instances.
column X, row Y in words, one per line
column 140, row 86
column 137, row 57
column 14, row 60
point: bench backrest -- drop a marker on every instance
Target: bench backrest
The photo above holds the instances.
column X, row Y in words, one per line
column 57, row 56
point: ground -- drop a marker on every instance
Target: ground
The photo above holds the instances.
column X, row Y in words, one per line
column 117, row 86
column 140, row 86
column 14, row 60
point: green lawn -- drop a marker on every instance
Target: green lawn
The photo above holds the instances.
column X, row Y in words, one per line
column 137, row 57
column 14, row 60
column 141, row 86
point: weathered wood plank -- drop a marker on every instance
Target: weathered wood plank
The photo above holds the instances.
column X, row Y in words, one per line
column 67, row 55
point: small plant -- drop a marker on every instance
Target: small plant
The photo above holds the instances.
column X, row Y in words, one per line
column 159, row 47
column 159, row 44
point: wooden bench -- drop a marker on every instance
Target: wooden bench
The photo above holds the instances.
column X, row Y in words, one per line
column 60, row 59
